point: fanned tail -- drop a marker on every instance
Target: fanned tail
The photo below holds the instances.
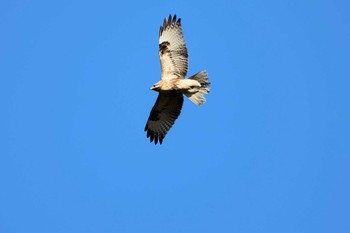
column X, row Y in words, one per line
column 198, row 97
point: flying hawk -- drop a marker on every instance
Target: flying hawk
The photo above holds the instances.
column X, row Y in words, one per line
column 174, row 62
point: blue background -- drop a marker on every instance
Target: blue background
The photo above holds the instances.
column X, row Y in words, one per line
column 268, row 152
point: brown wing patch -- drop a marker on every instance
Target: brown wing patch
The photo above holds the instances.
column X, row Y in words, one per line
column 164, row 47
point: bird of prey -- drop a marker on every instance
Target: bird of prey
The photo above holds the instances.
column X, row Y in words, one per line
column 173, row 85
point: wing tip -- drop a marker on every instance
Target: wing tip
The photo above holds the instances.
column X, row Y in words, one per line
column 171, row 20
column 153, row 136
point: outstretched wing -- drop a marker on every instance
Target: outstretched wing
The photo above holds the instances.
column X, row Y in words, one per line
column 172, row 49
column 163, row 115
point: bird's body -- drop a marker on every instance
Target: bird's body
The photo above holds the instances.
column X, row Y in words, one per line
column 174, row 63
column 184, row 86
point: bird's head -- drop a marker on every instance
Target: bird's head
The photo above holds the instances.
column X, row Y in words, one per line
column 155, row 87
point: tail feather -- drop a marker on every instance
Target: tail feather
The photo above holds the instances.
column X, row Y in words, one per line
column 198, row 97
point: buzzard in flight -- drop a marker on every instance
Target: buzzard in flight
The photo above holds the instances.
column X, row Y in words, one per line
column 174, row 62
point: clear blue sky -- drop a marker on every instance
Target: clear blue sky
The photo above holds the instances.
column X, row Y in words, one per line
column 268, row 152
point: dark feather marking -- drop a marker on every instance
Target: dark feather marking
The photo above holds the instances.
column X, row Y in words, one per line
column 160, row 30
column 179, row 22
column 183, row 52
column 163, row 47
column 169, row 20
